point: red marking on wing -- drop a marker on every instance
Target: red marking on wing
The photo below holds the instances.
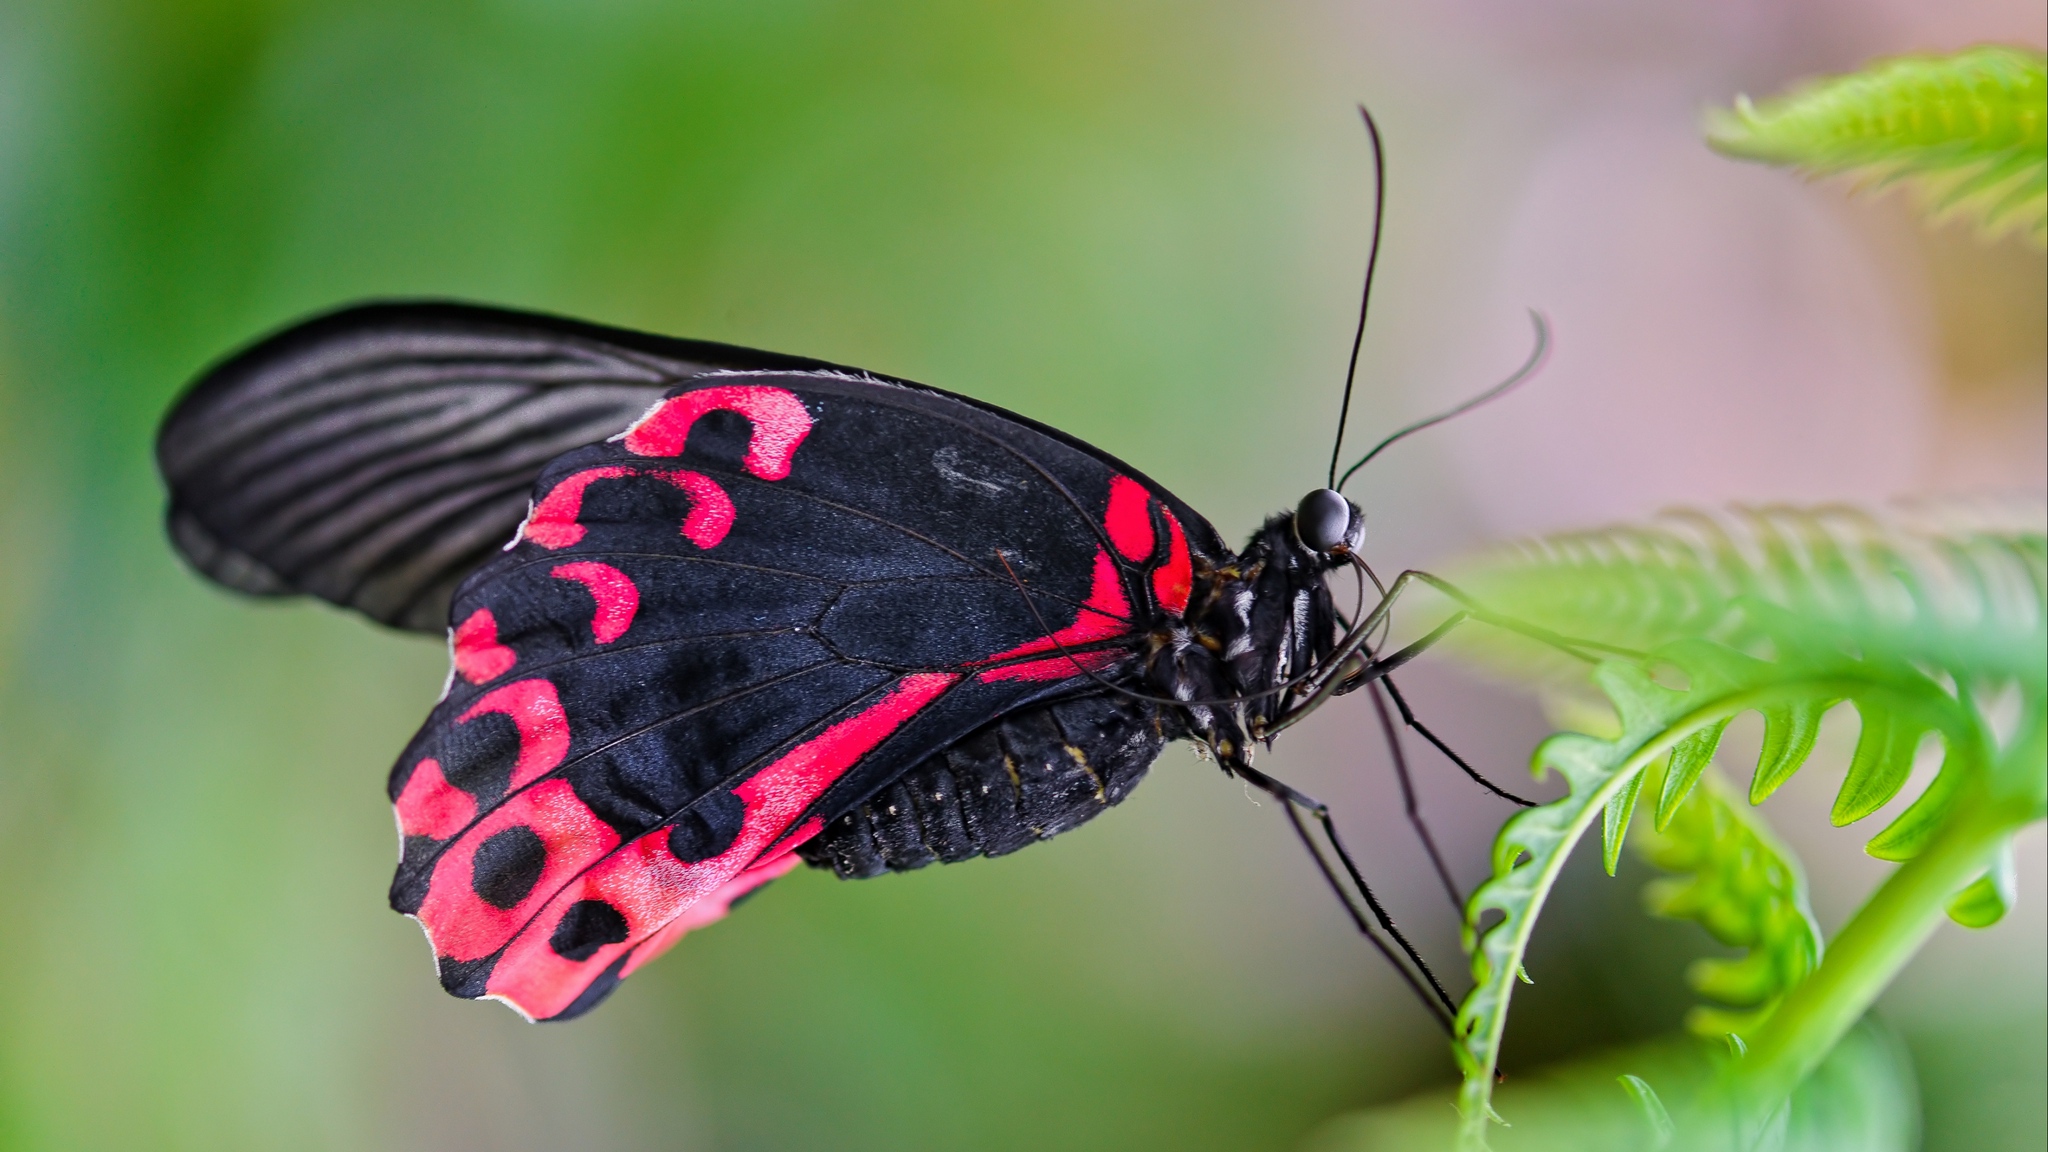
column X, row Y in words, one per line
column 478, row 655
column 1105, row 615
column 791, row 839
column 709, row 910
column 1129, row 519
column 711, row 511
column 536, row 712
column 461, row 924
column 779, row 420
column 553, row 522
column 431, row 806
column 649, row 887
column 1174, row 581
column 1057, row 668
column 617, row 597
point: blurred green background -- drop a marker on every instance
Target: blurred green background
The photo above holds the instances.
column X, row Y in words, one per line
column 1138, row 221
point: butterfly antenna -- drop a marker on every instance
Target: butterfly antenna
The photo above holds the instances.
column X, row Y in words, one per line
column 1529, row 368
column 1372, row 261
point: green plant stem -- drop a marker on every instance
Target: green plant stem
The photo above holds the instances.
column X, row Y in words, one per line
column 1870, row 950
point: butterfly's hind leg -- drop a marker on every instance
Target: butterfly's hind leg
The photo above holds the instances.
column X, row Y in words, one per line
column 1375, row 674
column 1408, row 801
column 1415, row 971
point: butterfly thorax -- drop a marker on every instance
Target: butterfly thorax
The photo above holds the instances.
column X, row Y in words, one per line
column 1253, row 622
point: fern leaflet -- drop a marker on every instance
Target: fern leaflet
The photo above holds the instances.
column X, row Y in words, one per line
column 1785, row 613
column 1971, row 130
column 1745, row 888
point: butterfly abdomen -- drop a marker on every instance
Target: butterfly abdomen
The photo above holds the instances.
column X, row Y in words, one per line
column 1025, row 778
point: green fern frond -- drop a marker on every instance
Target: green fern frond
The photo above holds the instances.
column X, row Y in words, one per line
column 1970, row 130
column 1528, row 856
column 1736, row 880
column 1986, row 902
column 1949, row 585
column 1787, row 613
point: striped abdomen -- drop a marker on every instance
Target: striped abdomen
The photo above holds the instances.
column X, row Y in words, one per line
column 1025, row 778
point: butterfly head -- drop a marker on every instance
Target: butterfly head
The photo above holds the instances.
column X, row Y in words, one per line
column 1327, row 523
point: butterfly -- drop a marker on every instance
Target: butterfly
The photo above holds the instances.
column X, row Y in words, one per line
column 714, row 612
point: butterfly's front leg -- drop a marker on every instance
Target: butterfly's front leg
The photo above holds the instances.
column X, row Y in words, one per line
column 1352, row 663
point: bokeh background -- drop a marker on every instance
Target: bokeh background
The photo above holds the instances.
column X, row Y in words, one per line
column 1139, row 221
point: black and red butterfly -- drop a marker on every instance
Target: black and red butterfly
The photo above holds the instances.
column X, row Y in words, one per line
column 714, row 611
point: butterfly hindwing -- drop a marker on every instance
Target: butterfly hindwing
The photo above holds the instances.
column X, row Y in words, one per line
column 768, row 600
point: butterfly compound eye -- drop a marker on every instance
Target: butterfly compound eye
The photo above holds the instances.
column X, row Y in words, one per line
column 1326, row 522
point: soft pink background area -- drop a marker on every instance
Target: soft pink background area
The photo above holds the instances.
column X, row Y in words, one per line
column 1724, row 332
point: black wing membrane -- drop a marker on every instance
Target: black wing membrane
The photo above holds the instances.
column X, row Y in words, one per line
column 771, row 600
column 375, row 456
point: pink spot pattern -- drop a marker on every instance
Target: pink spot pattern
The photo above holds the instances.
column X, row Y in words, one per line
column 779, row 419
column 652, row 889
column 432, row 807
column 1129, row 519
column 553, row 523
column 711, row 516
column 617, row 597
column 536, row 712
column 479, row 658
column 1174, row 581
column 461, row 924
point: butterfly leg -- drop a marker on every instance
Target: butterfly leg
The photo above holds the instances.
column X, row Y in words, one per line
column 1408, row 718
column 1399, row 753
column 1352, row 664
column 1294, row 803
column 1382, row 670
column 1408, row 803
